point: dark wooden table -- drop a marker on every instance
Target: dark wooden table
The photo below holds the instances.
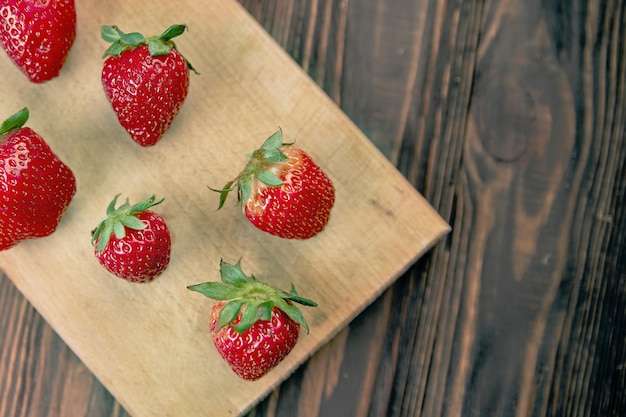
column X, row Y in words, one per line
column 510, row 117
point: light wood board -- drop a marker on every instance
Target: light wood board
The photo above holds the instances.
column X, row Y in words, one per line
column 149, row 344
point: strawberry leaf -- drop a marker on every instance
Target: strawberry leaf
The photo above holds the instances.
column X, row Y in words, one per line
column 293, row 312
column 264, row 310
column 97, row 232
column 132, row 223
column 143, row 205
column 15, row 121
column 245, row 191
column 119, row 230
column 120, row 41
column 300, row 300
column 275, row 141
column 111, row 206
column 224, row 192
column 268, row 178
column 216, row 290
column 115, row 49
column 274, row 156
column 109, row 33
column 249, row 316
column 228, row 313
column 232, row 275
column 131, row 39
column 172, row 32
column 189, row 66
column 104, row 237
column 294, row 296
column 158, row 47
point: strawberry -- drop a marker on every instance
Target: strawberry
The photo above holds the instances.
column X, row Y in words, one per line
column 146, row 81
column 37, row 35
column 133, row 242
column 253, row 325
column 282, row 191
column 35, row 186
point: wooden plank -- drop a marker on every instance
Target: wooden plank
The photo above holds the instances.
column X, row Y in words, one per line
column 395, row 357
column 461, row 328
column 148, row 344
column 43, row 382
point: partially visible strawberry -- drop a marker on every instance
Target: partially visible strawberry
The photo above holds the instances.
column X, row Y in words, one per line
column 36, row 187
column 282, row 191
column 146, row 81
column 133, row 242
column 37, row 35
column 254, row 326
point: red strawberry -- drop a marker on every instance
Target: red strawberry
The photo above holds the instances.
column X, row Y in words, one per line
column 133, row 242
column 282, row 191
column 254, row 326
column 146, row 81
column 37, row 35
column 35, row 186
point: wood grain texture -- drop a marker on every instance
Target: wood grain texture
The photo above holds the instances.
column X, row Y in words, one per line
column 40, row 374
column 510, row 118
column 149, row 344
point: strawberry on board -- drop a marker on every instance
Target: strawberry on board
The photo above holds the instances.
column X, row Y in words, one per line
column 253, row 325
column 35, row 186
column 37, row 35
column 133, row 242
column 146, row 81
column 282, row 191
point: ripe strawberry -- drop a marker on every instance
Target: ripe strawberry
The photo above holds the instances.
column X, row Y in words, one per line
column 133, row 242
column 37, row 35
column 35, row 186
column 282, row 191
column 254, row 326
column 146, row 81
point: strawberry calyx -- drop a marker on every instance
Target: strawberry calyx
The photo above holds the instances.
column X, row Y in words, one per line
column 254, row 299
column 157, row 45
column 118, row 219
column 15, row 121
column 259, row 167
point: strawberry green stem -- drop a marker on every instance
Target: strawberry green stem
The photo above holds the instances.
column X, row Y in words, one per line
column 118, row 219
column 253, row 298
column 157, row 45
column 257, row 167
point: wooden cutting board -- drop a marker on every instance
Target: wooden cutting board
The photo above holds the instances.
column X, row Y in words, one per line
column 148, row 344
